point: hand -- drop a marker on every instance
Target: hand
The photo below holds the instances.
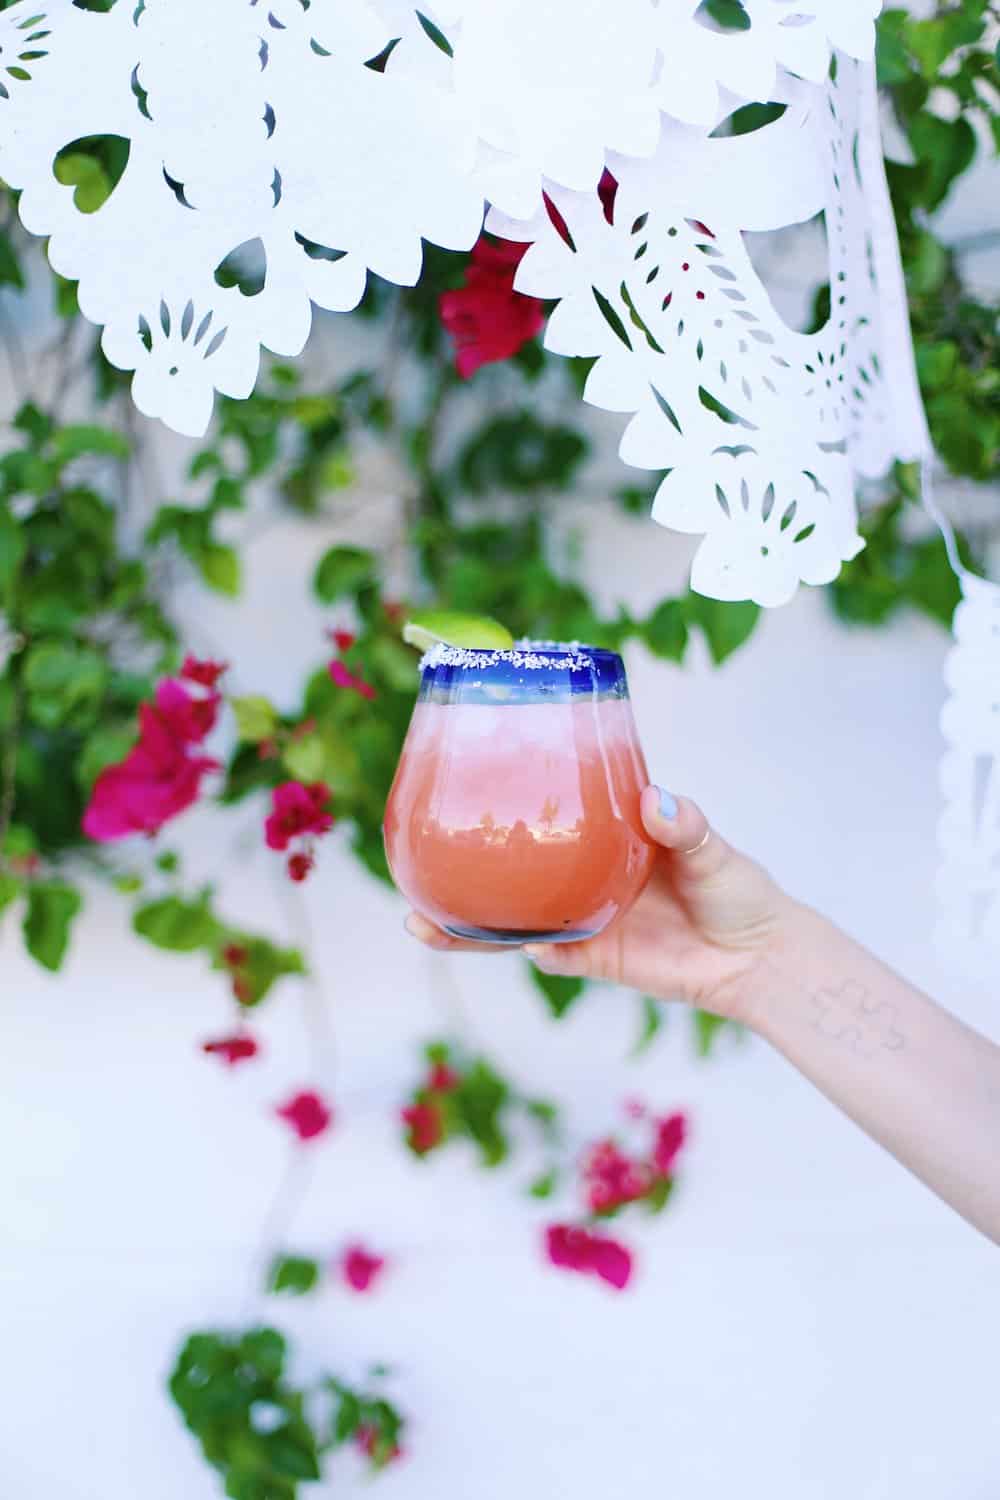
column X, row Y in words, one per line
column 703, row 930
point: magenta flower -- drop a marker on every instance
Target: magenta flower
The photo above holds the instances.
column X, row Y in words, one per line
column 573, row 1248
column 425, row 1126
column 360, row 1268
column 342, row 678
column 671, row 1133
column 307, row 1114
column 159, row 777
column 297, row 809
column 232, row 1049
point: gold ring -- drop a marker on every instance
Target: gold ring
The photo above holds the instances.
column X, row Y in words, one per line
column 697, row 847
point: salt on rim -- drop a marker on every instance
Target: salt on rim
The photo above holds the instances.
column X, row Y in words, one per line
column 523, row 655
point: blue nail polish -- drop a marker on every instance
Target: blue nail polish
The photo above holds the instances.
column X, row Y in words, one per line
column 668, row 805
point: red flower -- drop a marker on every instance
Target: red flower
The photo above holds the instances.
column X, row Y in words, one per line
column 360, row 1268
column 297, row 809
column 345, row 679
column 426, row 1126
column 299, row 866
column 232, row 1049
column 671, row 1133
column 307, row 1114
column 234, row 955
column 607, row 191
column 242, row 989
column 206, row 673
column 442, row 1079
column 343, row 639
column 576, row 1249
column 487, row 319
column 159, row 777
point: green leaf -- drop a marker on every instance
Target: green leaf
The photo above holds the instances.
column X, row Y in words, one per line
column 658, row 1196
column 666, row 632
column 12, row 552
column 169, row 862
column 295, row 1274
column 726, row 626
column 653, row 1017
column 219, row 566
column 52, row 906
column 256, row 718
column 65, row 683
column 478, row 1102
column 560, row 990
column 73, row 442
column 706, row 1029
column 343, row 571
column 10, row 889
column 544, row 1186
column 348, row 1418
column 10, row 267
column 177, row 925
column 106, row 746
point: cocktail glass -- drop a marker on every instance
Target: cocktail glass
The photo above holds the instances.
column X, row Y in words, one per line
column 514, row 814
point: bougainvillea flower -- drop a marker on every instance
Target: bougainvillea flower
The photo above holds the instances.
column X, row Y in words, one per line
column 573, row 1248
column 307, row 1114
column 671, row 1133
column 297, row 809
column 158, row 778
column 188, row 719
column 232, row 1049
column 486, row 318
column 205, row 673
column 425, row 1126
column 360, row 1268
column 612, row 1179
column 343, row 678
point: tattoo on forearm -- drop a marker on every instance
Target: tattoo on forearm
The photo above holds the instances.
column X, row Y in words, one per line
column 848, row 1015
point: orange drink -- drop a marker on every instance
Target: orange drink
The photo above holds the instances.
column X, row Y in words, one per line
column 514, row 814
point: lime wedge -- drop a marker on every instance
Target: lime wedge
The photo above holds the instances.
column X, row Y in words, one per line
column 442, row 626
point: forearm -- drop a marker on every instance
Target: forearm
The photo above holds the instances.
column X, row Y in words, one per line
column 916, row 1079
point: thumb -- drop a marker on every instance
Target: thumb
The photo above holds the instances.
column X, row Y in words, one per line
column 678, row 824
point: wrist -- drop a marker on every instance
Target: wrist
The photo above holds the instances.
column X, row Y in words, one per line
column 798, row 953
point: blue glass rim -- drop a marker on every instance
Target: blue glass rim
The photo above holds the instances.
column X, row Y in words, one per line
column 546, row 670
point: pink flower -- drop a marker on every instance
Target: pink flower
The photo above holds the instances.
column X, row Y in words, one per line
column 344, row 679
column 232, row 1049
column 671, row 1133
column 634, row 1108
column 205, row 673
column 360, row 1268
column 486, row 318
column 307, row 1114
column 158, row 778
column 297, row 809
column 426, row 1126
column 574, row 1248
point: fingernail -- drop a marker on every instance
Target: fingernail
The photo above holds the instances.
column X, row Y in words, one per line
column 538, row 953
column 418, row 926
column 668, row 805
